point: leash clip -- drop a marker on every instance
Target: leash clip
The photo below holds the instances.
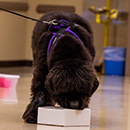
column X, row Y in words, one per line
column 54, row 22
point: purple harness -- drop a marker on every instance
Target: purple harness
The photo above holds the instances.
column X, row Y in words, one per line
column 58, row 31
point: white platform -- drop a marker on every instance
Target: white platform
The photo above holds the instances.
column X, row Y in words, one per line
column 47, row 127
column 63, row 117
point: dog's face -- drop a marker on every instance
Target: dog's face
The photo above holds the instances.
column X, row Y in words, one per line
column 72, row 86
column 73, row 100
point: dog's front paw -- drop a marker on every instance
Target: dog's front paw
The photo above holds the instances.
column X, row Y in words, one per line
column 31, row 119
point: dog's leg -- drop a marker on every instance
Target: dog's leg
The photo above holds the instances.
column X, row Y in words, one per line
column 38, row 94
column 30, row 114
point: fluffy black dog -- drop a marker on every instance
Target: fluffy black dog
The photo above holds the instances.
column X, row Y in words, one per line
column 65, row 73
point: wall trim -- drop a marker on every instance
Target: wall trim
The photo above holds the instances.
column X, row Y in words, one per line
column 17, row 63
column 47, row 8
column 15, row 6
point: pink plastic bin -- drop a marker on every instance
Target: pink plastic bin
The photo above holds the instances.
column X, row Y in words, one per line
column 7, row 80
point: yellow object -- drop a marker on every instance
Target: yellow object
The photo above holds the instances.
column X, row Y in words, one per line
column 107, row 24
column 92, row 7
column 98, row 18
column 113, row 13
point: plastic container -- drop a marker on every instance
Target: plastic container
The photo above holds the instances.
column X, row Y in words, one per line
column 114, row 59
column 7, row 81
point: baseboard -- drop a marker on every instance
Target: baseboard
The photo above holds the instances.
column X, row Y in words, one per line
column 17, row 63
column 99, row 68
column 20, row 63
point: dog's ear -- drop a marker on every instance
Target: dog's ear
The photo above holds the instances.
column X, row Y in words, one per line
column 48, row 83
column 95, row 85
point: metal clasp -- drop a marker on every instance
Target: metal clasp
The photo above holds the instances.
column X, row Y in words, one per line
column 54, row 22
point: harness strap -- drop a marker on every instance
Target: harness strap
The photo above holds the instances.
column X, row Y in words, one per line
column 58, row 31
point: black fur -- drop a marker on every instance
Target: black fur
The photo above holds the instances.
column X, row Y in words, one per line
column 68, row 77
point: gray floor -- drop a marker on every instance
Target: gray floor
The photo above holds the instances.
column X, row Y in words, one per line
column 110, row 105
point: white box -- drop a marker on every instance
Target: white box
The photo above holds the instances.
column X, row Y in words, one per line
column 47, row 127
column 7, row 80
column 63, row 117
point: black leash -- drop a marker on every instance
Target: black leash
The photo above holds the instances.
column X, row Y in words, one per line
column 21, row 15
column 54, row 22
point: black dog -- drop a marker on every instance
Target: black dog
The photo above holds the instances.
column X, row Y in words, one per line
column 63, row 64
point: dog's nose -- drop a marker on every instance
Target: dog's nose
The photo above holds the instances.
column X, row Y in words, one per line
column 74, row 104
